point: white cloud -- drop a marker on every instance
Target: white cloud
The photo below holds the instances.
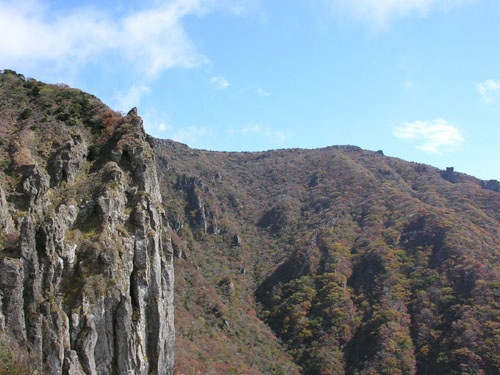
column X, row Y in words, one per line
column 150, row 40
column 156, row 122
column 259, row 130
column 192, row 135
column 163, row 127
column 219, row 82
column 160, row 125
column 262, row 92
column 380, row 12
column 489, row 90
column 126, row 101
column 408, row 85
column 435, row 136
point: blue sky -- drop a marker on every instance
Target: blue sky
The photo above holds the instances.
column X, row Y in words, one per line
column 419, row 79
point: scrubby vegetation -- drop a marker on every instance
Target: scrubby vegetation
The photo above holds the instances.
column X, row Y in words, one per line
column 17, row 360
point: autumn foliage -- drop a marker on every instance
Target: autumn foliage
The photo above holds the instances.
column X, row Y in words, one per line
column 359, row 263
column 111, row 122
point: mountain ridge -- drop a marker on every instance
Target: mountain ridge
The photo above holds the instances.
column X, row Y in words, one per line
column 305, row 207
column 448, row 172
column 326, row 261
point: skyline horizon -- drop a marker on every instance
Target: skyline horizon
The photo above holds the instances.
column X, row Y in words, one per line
column 419, row 79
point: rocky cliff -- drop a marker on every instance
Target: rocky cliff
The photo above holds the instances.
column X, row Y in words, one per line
column 86, row 272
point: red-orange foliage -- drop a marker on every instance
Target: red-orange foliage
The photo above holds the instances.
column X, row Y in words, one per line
column 111, row 121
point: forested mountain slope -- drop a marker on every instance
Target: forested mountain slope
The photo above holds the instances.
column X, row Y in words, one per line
column 359, row 263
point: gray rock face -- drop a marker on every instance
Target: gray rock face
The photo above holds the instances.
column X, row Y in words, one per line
column 6, row 223
column 11, row 280
column 35, row 185
column 237, row 240
column 90, row 287
column 314, row 180
column 450, row 175
column 203, row 219
column 492, row 185
column 69, row 160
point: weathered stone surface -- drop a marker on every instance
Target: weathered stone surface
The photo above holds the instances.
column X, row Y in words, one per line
column 72, row 364
column 2, row 317
column 6, row 223
column 11, row 285
column 314, row 180
column 237, row 240
column 35, row 185
column 203, row 220
column 213, row 227
column 90, row 286
column 492, row 185
column 69, row 160
column 450, row 175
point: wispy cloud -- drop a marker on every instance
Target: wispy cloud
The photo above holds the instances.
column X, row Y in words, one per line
column 489, row 90
column 262, row 92
column 149, row 40
column 219, row 82
column 127, row 100
column 262, row 131
column 379, row 13
column 163, row 127
column 191, row 135
column 157, row 123
column 409, row 85
column 435, row 136
column 160, row 125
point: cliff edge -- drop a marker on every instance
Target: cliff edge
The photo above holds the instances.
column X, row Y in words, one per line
column 86, row 271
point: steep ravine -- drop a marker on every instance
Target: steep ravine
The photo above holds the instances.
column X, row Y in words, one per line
column 86, row 272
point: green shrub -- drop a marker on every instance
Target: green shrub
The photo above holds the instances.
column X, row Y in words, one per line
column 63, row 116
column 26, row 113
column 93, row 153
column 35, row 91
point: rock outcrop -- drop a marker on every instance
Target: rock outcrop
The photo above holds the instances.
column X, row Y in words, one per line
column 493, row 185
column 86, row 272
column 69, row 160
column 450, row 175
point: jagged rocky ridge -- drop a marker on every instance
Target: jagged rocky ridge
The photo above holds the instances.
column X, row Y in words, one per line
column 86, row 272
